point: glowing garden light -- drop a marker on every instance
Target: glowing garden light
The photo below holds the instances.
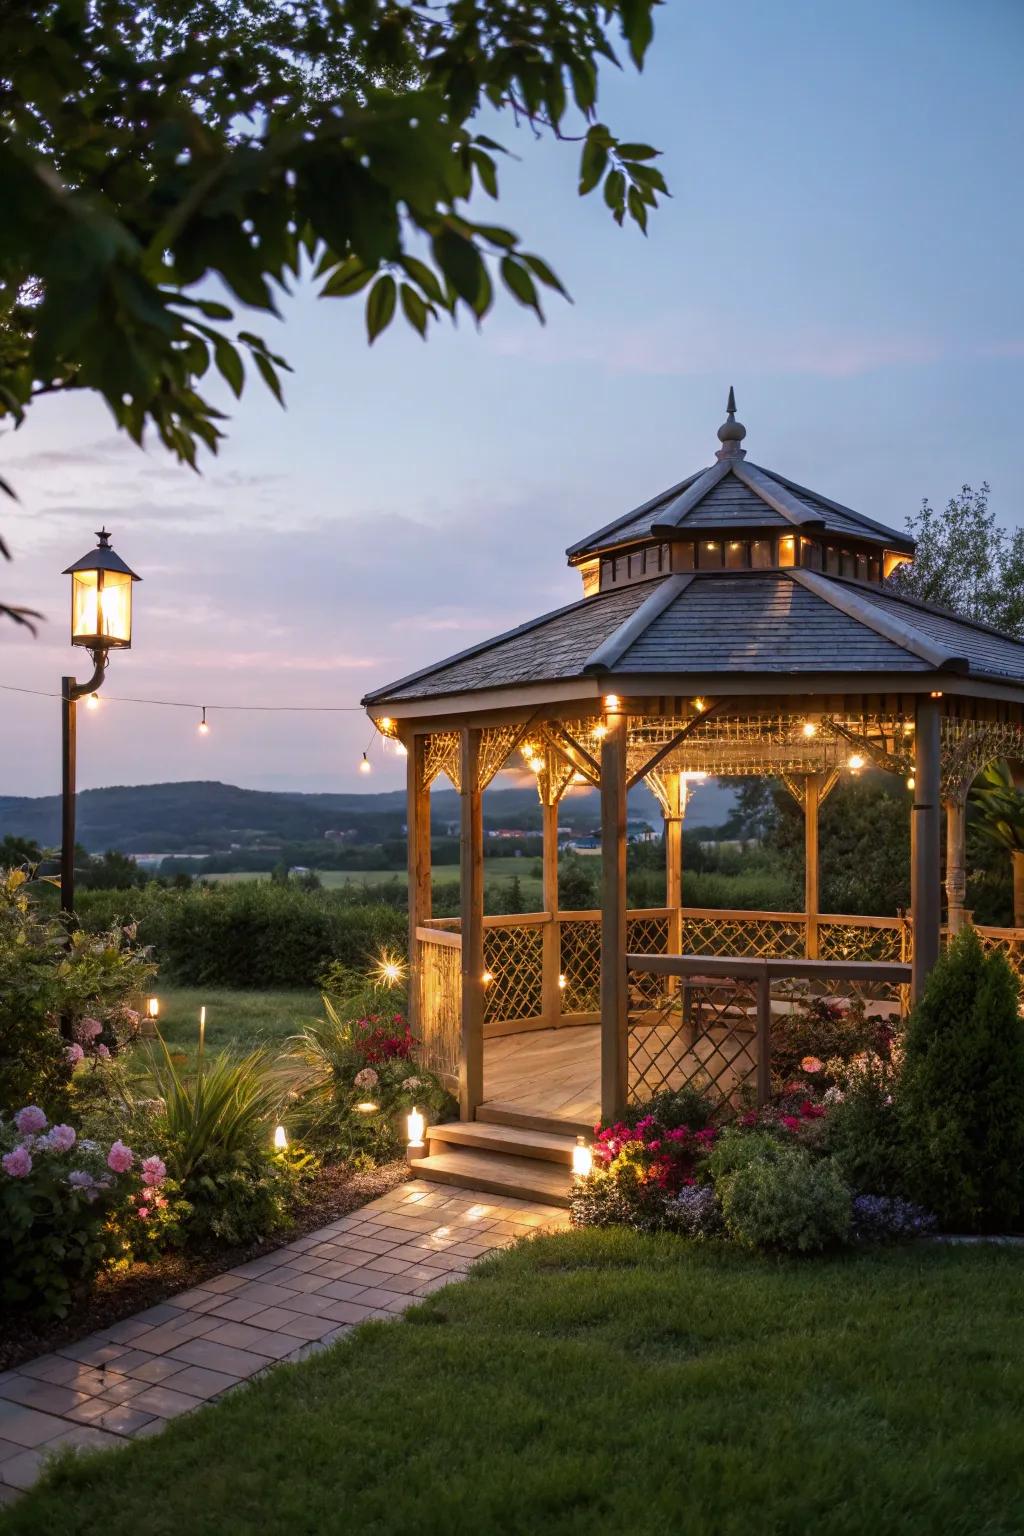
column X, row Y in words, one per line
column 611, row 701
column 366, row 1107
column 153, row 1007
column 389, row 969
column 415, row 1125
column 582, row 1158
column 280, row 1139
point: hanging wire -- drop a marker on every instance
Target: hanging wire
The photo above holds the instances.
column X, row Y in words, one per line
column 315, row 709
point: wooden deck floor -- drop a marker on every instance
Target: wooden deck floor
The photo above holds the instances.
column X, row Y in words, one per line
column 554, row 1072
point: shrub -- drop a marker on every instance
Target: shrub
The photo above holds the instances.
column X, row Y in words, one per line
column 67, row 1206
column 784, row 1200
column 88, row 980
column 862, row 1132
column 637, row 1169
column 343, row 1063
column 218, row 1138
column 695, row 1212
column 675, row 1107
column 818, row 1037
column 250, row 934
column 961, row 1095
column 888, row 1219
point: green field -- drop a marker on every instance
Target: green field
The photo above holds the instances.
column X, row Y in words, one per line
column 235, row 1021
column 495, row 870
column 590, row 1383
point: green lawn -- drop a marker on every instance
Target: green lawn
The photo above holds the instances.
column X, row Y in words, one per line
column 235, row 1021
column 496, row 870
column 594, row 1383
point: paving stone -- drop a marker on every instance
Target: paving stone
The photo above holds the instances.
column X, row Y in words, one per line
column 369, row 1276
column 220, row 1357
column 23, row 1470
column 92, row 1410
column 84, row 1437
column 266, row 1294
column 165, row 1402
column 341, row 1290
column 350, row 1312
column 154, row 1369
column 196, row 1302
column 126, row 1332
column 311, row 1306
column 256, row 1340
column 237, row 1309
column 95, row 1350
column 294, row 1281
column 9, row 1449
column 46, row 1395
column 199, row 1381
column 187, row 1326
column 28, row 1427
column 123, row 1391
column 46, row 1368
column 125, row 1420
column 376, row 1297
column 296, row 1325
column 228, row 1282
column 256, row 1268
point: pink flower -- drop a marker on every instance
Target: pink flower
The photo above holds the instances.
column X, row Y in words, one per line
column 367, row 1078
column 61, row 1138
column 30, row 1120
column 18, row 1163
column 154, row 1171
column 103, row 1053
column 120, row 1158
column 144, row 1211
column 812, row 1064
column 90, row 1028
column 74, row 1054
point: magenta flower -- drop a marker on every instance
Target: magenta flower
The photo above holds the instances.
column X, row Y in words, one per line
column 61, row 1138
column 30, row 1120
column 74, row 1054
column 154, row 1171
column 90, row 1028
column 18, row 1163
column 120, row 1158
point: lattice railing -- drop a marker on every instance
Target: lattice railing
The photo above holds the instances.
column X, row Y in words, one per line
column 868, row 938
column 703, row 1033
column 581, row 962
column 513, row 962
column 1011, row 942
column 753, row 935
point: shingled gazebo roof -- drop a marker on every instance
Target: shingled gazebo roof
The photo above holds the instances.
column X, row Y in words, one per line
column 775, row 623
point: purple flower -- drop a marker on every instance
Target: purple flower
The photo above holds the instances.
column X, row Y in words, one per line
column 120, row 1157
column 74, row 1054
column 18, row 1163
column 885, row 1218
column 61, row 1138
column 30, row 1120
column 84, row 1183
column 103, row 1053
column 90, row 1028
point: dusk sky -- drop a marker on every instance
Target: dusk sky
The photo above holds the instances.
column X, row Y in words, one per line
column 845, row 245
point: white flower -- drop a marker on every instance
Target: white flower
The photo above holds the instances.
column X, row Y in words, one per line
column 367, row 1078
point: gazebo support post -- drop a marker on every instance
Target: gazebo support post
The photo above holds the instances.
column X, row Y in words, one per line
column 956, row 861
column 420, row 896
column 471, row 869
column 812, row 899
column 925, row 870
column 551, row 953
column 614, row 999
column 674, row 812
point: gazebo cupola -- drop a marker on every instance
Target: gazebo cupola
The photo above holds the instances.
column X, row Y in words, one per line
column 736, row 516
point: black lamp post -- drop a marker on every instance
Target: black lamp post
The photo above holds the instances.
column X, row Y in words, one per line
column 101, row 620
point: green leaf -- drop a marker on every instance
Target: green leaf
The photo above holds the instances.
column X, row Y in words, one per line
column 414, row 309
column 637, row 152
column 229, row 366
column 486, row 173
column 425, row 276
column 268, row 375
column 347, row 279
column 380, row 306
column 520, row 284
column 460, row 262
column 615, row 189
column 541, row 270
column 594, row 159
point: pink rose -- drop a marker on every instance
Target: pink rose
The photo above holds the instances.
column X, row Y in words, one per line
column 144, row 1211
column 74, row 1054
column 90, row 1028
column 18, row 1163
column 61, row 1138
column 30, row 1120
column 120, row 1158
column 154, row 1171
column 812, row 1064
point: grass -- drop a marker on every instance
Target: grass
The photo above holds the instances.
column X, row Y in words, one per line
column 235, row 1021
column 590, row 1383
column 499, row 869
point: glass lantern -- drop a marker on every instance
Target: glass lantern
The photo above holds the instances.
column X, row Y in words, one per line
column 101, row 598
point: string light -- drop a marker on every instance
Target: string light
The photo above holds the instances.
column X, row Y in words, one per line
column 365, row 766
column 562, row 983
column 810, row 729
column 600, row 731
column 93, row 701
column 611, row 701
column 855, row 762
column 700, row 705
column 486, row 978
column 911, row 782
column 204, row 729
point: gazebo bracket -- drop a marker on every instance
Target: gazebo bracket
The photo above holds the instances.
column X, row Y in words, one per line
column 670, row 746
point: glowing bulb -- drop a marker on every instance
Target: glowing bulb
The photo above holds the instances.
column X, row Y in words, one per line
column 93, row 701
column 365, row 766
column 700, row 706
column 204, row 729
column 535, row 764
column 562, row 983
column 936, row 693
column 582, row 1158
column 855, row 761
column 415, row 1125
column 153, row 1007
column 386, row 725
column 578, row 778
column 389, row 969
column 600, row 731
column 366, row 1107
column 809, row 728
column 280, row 1139
column 911, row 782
column 487, row 978
column 611, row 701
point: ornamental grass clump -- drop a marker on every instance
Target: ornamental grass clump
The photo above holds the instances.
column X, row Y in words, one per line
column 960, row 1100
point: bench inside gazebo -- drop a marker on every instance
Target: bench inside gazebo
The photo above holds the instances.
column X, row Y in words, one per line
column 736, row 625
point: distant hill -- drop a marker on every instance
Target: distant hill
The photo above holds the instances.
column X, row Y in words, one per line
column 205, row 816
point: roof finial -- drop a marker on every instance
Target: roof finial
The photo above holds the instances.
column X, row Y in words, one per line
column 731, row 433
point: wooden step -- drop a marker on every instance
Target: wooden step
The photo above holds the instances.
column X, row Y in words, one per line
column 513, row 1141
column 496, row 1173
column 496, row 1113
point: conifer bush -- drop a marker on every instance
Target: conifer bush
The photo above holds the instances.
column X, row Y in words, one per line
column 961, row 1097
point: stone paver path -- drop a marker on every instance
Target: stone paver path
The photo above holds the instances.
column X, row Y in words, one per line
column 127, row 1380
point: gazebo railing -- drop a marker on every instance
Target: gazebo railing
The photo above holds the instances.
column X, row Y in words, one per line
column 514, row 947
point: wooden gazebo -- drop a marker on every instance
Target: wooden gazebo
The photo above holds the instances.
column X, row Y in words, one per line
column 740, row 624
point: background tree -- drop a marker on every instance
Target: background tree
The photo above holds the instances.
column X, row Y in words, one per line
column 999, row 821
column 146, row 150
column 966, row 562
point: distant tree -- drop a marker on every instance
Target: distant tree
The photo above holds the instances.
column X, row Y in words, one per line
column 513, row 899
column 577, row 886
column 15, row 851
column 966, row 562
column 999, row 821
column 110, row 871
column 151, row 155
column 755, row 810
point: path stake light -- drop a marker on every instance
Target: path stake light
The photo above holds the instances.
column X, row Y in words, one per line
column 101, row 621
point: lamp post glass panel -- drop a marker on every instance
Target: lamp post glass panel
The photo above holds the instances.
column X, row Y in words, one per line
column 101, row 621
